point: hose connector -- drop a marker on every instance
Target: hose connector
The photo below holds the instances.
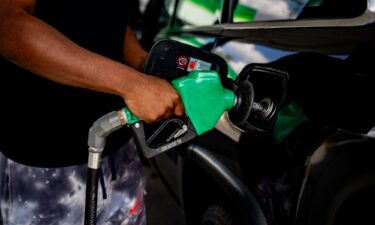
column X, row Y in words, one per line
column 98, row 133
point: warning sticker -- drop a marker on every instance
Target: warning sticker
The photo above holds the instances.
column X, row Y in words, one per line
column 196, row 64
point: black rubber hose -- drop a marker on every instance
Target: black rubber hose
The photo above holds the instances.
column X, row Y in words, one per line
column 91, row 196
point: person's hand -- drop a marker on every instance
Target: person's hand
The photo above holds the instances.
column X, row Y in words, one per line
column 153, row 99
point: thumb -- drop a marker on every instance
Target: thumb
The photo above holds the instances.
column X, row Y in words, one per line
column 179, row 109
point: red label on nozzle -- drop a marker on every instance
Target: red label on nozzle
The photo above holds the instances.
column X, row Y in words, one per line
column 182, row 61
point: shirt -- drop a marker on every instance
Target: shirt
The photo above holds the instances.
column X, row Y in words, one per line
column 45, row 123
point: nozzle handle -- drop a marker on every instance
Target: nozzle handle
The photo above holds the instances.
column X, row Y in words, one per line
column 149, row 152
column 140, row 138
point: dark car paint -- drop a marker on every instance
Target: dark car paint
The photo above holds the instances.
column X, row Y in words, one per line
column 341, row 167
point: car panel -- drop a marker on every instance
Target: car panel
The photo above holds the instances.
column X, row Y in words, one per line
column 319, row 35
column 340, row 167
column 233, row 186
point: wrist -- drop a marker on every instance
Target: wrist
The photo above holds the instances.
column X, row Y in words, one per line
column 130, row 80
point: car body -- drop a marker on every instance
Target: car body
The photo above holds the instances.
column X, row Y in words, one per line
column 315, row 164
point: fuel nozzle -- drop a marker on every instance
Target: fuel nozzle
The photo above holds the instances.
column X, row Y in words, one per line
column 264, row 110
column 246, row 108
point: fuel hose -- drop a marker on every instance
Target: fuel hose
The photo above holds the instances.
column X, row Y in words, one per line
column 98, row 133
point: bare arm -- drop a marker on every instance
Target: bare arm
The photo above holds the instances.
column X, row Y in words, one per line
column 134, row 55
column 34, row 45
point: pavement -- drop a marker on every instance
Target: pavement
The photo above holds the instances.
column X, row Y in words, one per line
column 161, row 209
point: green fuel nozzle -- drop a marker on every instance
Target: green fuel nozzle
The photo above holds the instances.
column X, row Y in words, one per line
column 204, row 98
column 205, row 101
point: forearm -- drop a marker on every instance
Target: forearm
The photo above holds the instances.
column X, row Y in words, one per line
column 134, row 55
column 34, row 45
column 38, row 47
